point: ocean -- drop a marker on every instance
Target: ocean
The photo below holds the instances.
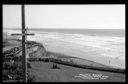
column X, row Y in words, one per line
column 92, row 32
column 105, row 46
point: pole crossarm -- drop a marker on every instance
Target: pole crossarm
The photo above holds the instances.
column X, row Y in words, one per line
column 16, row 34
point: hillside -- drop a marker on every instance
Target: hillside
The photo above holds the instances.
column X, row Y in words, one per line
column 44, row 72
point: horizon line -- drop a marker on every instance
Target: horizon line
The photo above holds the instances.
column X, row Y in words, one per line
column 60, row 28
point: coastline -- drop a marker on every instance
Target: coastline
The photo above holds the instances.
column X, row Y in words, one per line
column 73, row 61
column 76, row 50
column 43, row 72
column 84, row 52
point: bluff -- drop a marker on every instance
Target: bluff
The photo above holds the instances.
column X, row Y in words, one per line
column 33, row 50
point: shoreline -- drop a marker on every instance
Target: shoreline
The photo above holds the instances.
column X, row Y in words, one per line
column 92, row 56
column 75, row 62
column 87, row 64
column 84, row 52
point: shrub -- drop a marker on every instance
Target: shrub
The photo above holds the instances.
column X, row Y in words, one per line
column 29, row 65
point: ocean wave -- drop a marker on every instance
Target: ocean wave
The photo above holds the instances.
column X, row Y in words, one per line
column 115, row 45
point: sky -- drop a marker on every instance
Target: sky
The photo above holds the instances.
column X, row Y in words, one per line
column 66, row 16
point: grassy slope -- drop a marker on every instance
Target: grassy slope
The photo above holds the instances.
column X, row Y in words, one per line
column 83, row 63
column 44, row 73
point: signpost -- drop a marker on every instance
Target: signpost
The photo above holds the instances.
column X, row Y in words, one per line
column 24, row 35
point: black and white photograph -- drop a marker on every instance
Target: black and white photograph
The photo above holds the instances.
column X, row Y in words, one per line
column 63, row 43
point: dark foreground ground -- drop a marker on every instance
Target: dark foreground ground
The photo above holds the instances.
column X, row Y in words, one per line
column 43, row 72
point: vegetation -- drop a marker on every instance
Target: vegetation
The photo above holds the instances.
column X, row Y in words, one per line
column 14, row 72
column 55, row 66
column 12, row 67
column 29, row 65
column 12, row 51
column 30, row 78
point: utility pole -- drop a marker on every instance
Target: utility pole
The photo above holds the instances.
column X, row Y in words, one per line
column 24, row 35
column 23, row 44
